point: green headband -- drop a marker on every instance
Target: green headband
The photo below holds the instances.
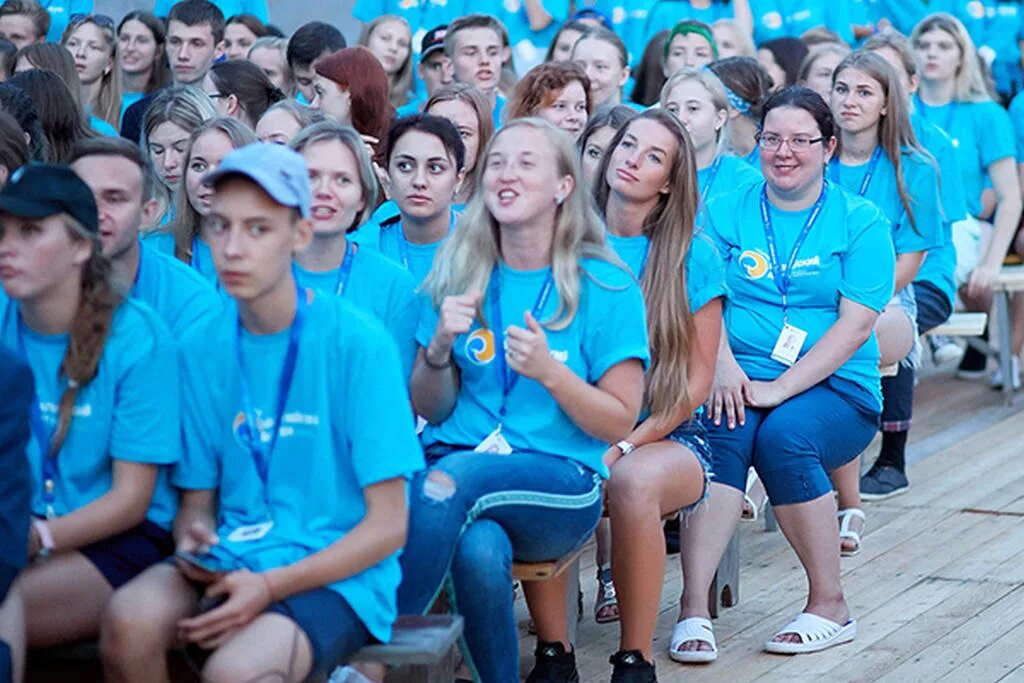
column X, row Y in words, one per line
column 686, row 27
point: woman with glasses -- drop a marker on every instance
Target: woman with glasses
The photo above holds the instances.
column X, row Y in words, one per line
column 809, row 267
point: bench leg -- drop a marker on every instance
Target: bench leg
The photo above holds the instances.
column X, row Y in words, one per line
column 572, row 600
column 442, row 672
column 1005, row 342
column 725, row 587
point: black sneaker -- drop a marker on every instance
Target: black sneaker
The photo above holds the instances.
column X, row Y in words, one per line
column 883, row 482
column 630, row 667
column 552, row 664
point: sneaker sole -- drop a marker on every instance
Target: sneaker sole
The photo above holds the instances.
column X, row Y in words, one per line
column 883, row 496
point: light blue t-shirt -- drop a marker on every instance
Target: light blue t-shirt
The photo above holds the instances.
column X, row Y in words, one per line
column 636, row 21
column 347, row 425
column 1016, row 111
column 610, row 300
column 380, row 287
column 994, row 25
column 129, row 411
column 780, row 18
column 60, row 12
column 982, row 134
column 422, row 15
column 229, row 7
column 177, row 293
column 102, row 127
column 128, row 99
column 921, row 184
column 904, row 15
column 202, row 258
column 512, row 14
column 848, row 253
column 388, row 237
column 731, row 174
column 499, row 110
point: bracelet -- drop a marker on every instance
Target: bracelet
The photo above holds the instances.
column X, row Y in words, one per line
column 437, row 366
column 266, row 582
column 45, row 537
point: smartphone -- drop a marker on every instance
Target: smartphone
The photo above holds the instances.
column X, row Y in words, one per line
column 207, row 562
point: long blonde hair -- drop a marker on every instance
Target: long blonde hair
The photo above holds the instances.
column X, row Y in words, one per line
column 670, row 228
column 716, row 89
column 400, row 84
column 969, row 85
column 895, row 133
column 465, row 261
column 108, row 100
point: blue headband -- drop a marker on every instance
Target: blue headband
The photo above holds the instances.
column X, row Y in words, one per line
column 736, row 102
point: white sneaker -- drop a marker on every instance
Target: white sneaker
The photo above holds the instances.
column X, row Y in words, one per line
column 945, row 351
column 997, row 376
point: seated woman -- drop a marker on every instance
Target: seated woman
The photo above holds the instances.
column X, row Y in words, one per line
column 698, row 99
column 352, row 88
column 649, row 197
column 104, row 426
column 522, row 386
column 241, row 90
column 389, row 38
column 603, row 56
column 558, row 92
column 880, row 159
column 295, row 396
column 747, row 86
column 809, row 267
column 182, row 238
column 600, row 129
column 282, row 121
column 344, row 193
column 466, row 107
column 424, row 174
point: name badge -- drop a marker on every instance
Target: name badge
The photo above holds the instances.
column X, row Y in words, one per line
column 494, row 443
column 787, row 347
column 251, row 532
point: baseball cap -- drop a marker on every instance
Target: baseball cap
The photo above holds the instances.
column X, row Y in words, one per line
column 278, row 170
column 41, row 190
column 433, row 40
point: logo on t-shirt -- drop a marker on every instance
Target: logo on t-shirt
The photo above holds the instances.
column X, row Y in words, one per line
column 976, row 9
column 755, row 263
column 772, row 20
column 264, row 430
column 480, row 347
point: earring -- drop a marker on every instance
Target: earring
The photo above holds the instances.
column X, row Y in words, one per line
column 559, row 200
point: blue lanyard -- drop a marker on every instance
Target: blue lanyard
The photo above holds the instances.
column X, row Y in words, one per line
column 508, row 377
column 194, row 258
column 866, row 181
column 403, row 244
column 712, row 174
column 251, row 434
column 44, row 438
column 780, row 272
column 346, row 268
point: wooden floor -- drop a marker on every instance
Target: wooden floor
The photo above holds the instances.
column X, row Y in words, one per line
column 938, row 590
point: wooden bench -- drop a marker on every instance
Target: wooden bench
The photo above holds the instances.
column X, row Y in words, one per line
column 961, row 325
column 542, row 571
column 1010, row 280
column 422, row 649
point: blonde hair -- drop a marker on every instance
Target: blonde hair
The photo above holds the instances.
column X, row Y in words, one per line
column 401, row 81
column 744, row 40
column 465, row 261
column 816, row 53
column 969, row 84
column 895, row 134
column 108, row 99
column 716, row 89
column 670, row 228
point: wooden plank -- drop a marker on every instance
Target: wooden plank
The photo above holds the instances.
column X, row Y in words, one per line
column 961, row 325
column 1011, row 279
column 416, row 640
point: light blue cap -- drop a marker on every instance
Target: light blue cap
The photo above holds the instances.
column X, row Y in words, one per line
column 280, row 171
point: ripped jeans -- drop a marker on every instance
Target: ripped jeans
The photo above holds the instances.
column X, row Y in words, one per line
column 470, row 515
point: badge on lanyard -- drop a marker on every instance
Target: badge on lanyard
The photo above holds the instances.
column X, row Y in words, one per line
column 494, row 443
column 788, row 346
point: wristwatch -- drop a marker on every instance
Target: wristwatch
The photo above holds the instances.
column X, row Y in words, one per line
column 626, row 447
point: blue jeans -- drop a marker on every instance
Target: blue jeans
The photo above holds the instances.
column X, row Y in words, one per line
column 470, row 515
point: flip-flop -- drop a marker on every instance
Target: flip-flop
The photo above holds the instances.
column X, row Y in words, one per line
column 693, row 628
column 816, row 634
column 845, row 517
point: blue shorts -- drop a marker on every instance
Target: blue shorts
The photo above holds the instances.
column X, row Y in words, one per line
column 793, row 446
column 335, row 632
column 124, row 556
column 692, row 435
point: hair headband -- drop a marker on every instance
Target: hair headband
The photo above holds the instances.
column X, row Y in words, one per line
column 685, row 28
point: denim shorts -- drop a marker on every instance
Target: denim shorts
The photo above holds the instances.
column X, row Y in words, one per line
column 124, row 556
column 693, row 436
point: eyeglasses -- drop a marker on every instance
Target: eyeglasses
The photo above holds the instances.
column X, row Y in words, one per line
column 798, row 144
column 99, row 19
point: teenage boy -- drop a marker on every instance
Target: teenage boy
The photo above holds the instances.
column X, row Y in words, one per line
column 309, row 43
column 477, row 45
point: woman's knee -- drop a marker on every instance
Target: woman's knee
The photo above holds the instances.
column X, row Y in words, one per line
column 143, row 615
column 483, row 560
column 630, row 483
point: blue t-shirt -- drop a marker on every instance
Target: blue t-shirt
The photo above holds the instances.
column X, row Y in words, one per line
column 731, row 174
column 610, row 300
column 904, row 15
column 129, row 411
column 921, row 182
column 499, row 109
column 422, row 15
column 229, row 7
column 102, row 127
column 202, row 258
column 512, row 14
column 848, row 253
column 982, row 134
column 1017, row 118
column 347, row 424
column 128, row 99
column 60, row 12
column 388, row 237
column 994, row 25
column 780, row 18
column 380, row 287
column 177, row 293
column 636, row 21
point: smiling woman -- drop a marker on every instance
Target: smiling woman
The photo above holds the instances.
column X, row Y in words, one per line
column 558, row 92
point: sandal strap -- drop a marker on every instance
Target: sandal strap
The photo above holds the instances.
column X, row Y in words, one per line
column 811, row 628
column 694, row 628
column 845, row 518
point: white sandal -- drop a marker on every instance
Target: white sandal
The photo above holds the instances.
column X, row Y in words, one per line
column 816, row 634
column 755, row 509
column 693, row 628
column 845, row 517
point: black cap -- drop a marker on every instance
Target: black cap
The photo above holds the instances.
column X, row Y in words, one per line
column 433, row 40
column 41, row 190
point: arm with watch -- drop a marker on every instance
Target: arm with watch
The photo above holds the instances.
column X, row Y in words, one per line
column 700, row 370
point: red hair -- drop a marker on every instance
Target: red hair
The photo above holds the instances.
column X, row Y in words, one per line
column 359, row 72
column 541, row 86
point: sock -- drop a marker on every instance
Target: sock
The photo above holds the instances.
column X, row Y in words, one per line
column 894, row 445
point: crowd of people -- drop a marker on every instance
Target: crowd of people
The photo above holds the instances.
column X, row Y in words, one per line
column 297, row 337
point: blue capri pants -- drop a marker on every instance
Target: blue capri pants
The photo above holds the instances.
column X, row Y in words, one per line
column 470, row 515
column 794, row 445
